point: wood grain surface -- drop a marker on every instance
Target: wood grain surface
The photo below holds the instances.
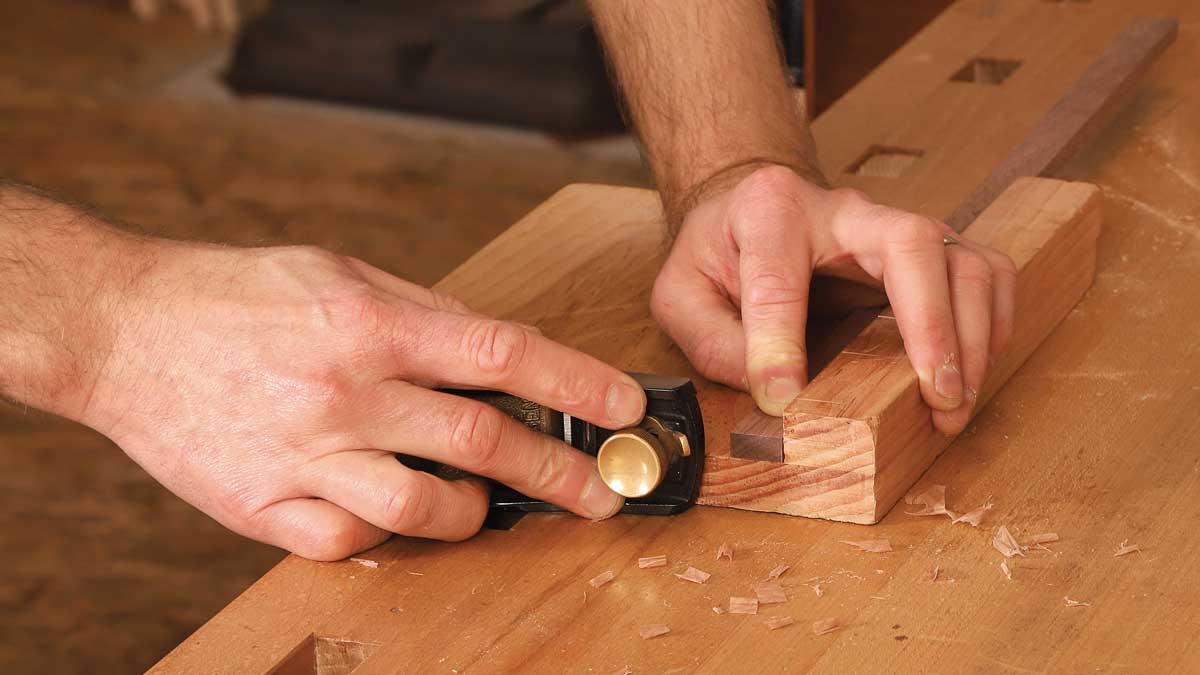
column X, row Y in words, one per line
column 1094, row 438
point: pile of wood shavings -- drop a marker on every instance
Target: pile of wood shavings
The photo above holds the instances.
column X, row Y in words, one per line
column 932, row 502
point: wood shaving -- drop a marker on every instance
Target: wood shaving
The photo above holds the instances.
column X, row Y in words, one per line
column 1076, row 603
column 934, row 570
column 718, row 610
column 743, row 605
column 777, row 572
column 777, row 622
column 972, row 518
column 624, row 671
column 872, row 545
column 694, row 575
column 417, row 574
column 365, row 563
column 1004, row 568
column 931, row 502
column 602, row 578
column 652, row 561
column 823, row 626
column 725, row 551
column 1039, row 539
column 1005, row 543
column 653, row 630
column 817, row 589
column 770, row 593
column 1126, row 548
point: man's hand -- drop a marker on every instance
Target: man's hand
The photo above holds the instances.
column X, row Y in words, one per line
column 273, row 387
column 734, row 290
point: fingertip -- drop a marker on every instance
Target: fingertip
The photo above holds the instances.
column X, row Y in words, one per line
column 597, row 501
column 775, row 387
column 477, row 492
column 625, row 403
column 942, row 386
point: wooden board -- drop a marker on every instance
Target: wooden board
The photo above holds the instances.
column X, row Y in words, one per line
column 862, row 425
column 1066, row 127
column 1093, row 438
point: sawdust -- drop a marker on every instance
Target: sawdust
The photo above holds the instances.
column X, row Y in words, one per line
column 1075, row 603
column 934, row 571
column 1040, row 539
column 1005, row 543
column 1126, row 548
column 725, row 551
column 743, row 605
column 777, row 622
column 777, row 572
column 973, row 517
column 365, row 563
column 871, row 545
column 931, row 502
column 653, row 630
column 770, row 593
column 696, row 576
column 825, row 626
column 602, row 578
column 652, row 561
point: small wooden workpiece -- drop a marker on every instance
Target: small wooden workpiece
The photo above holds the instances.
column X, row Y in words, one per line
column 859, row 435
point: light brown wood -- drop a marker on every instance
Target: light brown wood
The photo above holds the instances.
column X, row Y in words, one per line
column 863, row 420
column 1079, row 115
column 1093, row 439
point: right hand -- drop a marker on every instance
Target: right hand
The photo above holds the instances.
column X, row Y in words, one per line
column 272, row 387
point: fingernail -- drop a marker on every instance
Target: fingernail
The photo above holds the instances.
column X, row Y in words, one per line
column 948, row 379
column 598, row 501
column 625, row 403
column 781, row 391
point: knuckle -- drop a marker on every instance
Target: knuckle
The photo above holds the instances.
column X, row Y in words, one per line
column 970, row 267
column 477, row 437
column 910, row 231
column 408, row 507
column 773, row 290
column 497, row 348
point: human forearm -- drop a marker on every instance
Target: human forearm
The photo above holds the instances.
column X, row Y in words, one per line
column 705, row 86
column 62, row 271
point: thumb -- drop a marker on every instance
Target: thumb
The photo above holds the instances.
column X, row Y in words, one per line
column 774, row 282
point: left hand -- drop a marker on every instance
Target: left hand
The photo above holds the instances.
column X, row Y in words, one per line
column 734, row 291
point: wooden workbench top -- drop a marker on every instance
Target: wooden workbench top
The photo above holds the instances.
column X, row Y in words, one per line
column 1095, row 439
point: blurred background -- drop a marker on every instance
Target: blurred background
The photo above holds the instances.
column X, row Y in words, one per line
column 408, row 134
